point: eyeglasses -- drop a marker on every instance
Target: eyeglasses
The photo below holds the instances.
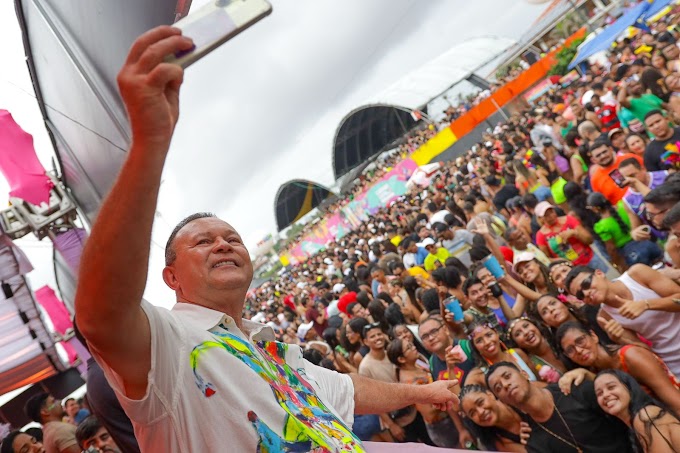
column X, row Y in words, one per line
column 373, row 325
column 431, row 334
column 651, row 216
column 585, row 286
column 580, row 343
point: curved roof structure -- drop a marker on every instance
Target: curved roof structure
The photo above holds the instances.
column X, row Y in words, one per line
column 296, row 198
column 73, row 61
column 384, row 118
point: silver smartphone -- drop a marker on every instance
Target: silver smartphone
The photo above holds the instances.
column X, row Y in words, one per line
column 216, row 23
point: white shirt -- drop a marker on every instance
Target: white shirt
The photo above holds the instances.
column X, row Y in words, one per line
column 211, row 388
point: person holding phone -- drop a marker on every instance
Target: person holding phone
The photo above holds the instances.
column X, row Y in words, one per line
column 605, row 177
column 199, row 376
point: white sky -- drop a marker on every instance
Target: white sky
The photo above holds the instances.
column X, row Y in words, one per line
column 263, row 109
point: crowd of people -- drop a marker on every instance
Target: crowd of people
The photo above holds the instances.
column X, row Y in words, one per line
column 539, row 272
column 540, row 269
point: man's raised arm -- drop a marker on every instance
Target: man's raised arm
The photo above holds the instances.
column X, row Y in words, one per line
column 115, row 260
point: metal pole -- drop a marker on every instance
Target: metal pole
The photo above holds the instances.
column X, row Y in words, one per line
column 500, row 110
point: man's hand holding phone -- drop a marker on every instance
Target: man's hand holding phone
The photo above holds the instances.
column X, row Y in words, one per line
column 150, row 87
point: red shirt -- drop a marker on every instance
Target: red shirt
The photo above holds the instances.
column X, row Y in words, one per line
column 600, row 180
column 573, row 250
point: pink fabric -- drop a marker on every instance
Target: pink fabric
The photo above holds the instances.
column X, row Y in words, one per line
column 19, row 163
column 58, row 314
column 55, row 309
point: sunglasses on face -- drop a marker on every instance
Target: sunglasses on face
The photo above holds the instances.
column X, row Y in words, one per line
column 585, row 286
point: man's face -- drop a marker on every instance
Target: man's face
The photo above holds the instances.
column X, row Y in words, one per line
column 634, row 87
column 379, row 275
column 72, row 408
column 211, row 259
column 590, row 288
column 658, row 126
column 655, row 213
column 629, row 171
column 509, row 386
column 618, row 140
column 576, row 108
column 603, row 156
column 53, row 407
column 375, row 339
column 671, row 51
column 478, row 295
column 595, row 101
column 434, row 335
column 102, row 441
column 358, row 311
column 519, row 239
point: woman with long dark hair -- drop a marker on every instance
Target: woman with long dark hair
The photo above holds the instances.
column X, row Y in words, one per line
column 411, row 368
column 487, row 348
column 613, row 228
column 536, row 341
column 350, row 339
column 495, row 425
column 582, row 347
column 654, row 428
column 18, row 442
column 341, row 357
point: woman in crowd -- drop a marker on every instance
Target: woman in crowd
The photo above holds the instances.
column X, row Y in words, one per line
column 18, row 442
column 496, row 426
column 528, row 181
column 352, row 342
column 341, row 357
column 402, row 332
column 613, row 228
column 413, row 369
column 653, row 427
column 529, row 337
column 583, row 348
column 487, row 349
column 565, row 237
column 636, row 143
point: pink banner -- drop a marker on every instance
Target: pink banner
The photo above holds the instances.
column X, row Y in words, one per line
column 19, row 163
column 390, row 187
column 58, row 314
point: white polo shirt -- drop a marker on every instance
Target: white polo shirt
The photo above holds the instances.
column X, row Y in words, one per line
column 211, row 388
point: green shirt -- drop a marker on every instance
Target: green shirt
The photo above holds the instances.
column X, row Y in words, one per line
column 609, row 229
column 441, row 256
column 639, row 107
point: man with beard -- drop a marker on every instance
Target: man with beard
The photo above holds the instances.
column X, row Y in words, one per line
column 559, row 423
column 92, row 434
column 601, row 180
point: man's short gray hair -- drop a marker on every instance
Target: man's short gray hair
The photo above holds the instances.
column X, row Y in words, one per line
column 170, row 254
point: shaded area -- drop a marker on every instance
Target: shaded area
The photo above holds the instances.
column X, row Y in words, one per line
column 296, row 198
column 366, row 132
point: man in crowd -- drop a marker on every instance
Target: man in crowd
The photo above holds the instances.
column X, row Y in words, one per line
column 436, row 256
column 601, row 178
column 639, row 182
column 436, row 339
column 559, row 423
column 92, row 434
column 642, row 300
column 174, row 369
column 74, row 413
column 58, row 437
column 315, row 312
column 657, row 124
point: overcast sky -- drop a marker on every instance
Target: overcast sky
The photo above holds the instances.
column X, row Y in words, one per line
column 263, row 109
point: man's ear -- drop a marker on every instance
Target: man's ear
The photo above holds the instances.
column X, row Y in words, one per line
column 170, row 278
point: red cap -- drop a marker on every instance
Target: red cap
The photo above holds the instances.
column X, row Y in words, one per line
column 345, row 300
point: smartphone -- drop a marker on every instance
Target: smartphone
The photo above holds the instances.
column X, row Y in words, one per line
column 618, row 178
column 216, row 23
